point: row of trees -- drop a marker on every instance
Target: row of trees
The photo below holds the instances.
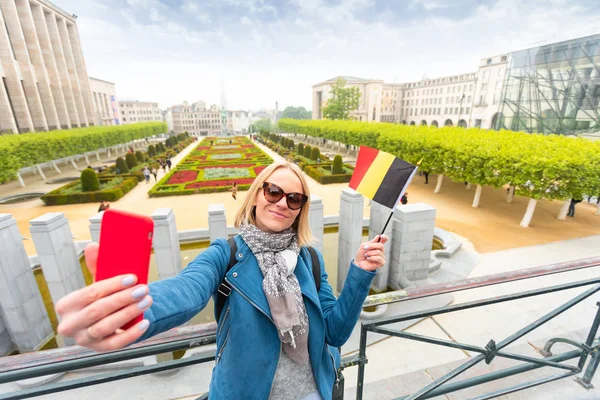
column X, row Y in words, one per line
column 535, row 166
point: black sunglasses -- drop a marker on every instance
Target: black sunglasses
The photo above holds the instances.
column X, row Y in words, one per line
column 274, row 193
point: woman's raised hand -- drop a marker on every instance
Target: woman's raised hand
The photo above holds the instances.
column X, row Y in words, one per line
column 94, row 315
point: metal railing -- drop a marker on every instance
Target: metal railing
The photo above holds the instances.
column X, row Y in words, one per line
column 39, row 364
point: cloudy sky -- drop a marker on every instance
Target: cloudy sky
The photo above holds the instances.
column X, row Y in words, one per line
column 266, row 51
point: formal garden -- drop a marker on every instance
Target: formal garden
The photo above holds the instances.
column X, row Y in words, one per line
column 213, row 167
column 316, row 165
column 535, row 166
column 115, row 181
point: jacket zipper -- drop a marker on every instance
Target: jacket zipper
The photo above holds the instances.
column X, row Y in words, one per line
column 224, row 319
column 222, row 348
column 248, row 300
column 337, row 379
column 259, row 309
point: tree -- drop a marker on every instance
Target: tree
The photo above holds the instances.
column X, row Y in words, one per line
column 296, row 113
column 300, row 150
column 338, row 165
column 139, row 156
column 122, row 166
column 262, row 125
column 315, row 154
column 343, row 100
column 130, row 160
column 89, row 180
column 307, row 151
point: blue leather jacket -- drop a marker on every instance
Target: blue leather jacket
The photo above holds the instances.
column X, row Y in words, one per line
column 248, row 347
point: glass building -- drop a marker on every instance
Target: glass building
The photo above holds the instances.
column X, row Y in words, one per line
column 552, row 89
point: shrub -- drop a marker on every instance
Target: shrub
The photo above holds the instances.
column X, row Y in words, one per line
column 315, row 154
column 338, row 165
column 307, row 151
column 300, row 148
column 151, row 151
column 89, row 180
column 57, row 197
column 139, row 156
column 130, row 160
column 122, row 165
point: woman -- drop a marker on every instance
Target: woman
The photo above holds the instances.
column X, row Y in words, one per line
column 277, row 336
column 234, row 191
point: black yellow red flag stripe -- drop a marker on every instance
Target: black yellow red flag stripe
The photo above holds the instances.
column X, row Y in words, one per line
column 381, row 176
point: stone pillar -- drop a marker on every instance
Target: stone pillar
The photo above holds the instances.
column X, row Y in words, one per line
column 350, row 232
column 411, row 244
column 377, row 220
column 95, row 225
column 315, row 220
column 55, row 247
column 166, row 243
column 24, row 321
column 217, row 223
column 6, row 344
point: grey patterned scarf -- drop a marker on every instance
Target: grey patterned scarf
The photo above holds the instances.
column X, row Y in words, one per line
column 281, row 286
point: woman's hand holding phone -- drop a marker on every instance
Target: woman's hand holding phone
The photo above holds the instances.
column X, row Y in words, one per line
column 94, row 315
column 107, row 315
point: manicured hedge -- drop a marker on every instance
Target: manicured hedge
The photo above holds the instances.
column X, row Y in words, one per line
column 316, row 172
column 27, row 149
column 309, row 164
column 57, row 197
column 540, row 166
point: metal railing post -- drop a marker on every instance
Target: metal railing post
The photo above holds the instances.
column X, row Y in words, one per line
column 362, row 354
column 586, row 381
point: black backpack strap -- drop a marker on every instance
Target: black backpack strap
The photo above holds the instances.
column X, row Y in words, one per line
column 316, row 266
column 224, row 289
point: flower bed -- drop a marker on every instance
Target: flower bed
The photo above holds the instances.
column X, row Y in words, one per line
column 214, row 168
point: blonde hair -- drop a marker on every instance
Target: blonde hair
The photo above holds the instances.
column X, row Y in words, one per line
column 246, row 212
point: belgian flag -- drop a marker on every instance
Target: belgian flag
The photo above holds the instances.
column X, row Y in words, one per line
column 381, row 176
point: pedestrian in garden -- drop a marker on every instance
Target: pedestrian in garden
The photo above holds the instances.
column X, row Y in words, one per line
column 103, row 206
column 155, row 173
column 574, row 202
column 146, row 173
column 273, row 310
column 426, row 174
column 404, row 198
column 169, row 164
column 234, row 191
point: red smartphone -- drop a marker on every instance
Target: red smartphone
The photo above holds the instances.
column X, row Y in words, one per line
column 125, row 248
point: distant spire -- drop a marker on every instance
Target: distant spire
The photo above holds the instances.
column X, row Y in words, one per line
column 223, row 98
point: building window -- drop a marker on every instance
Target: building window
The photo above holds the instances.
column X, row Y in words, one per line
column 489, row 61
column 503, row 58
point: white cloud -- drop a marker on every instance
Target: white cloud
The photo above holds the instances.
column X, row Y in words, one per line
column 175, row 54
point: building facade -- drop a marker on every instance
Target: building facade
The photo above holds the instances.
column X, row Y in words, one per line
column 104, row 98
column 438, row 102
column 44, row 78
column 195, row 118
column 553, row 89
column 133, row 112
column 547, row 89
column 370, row 101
